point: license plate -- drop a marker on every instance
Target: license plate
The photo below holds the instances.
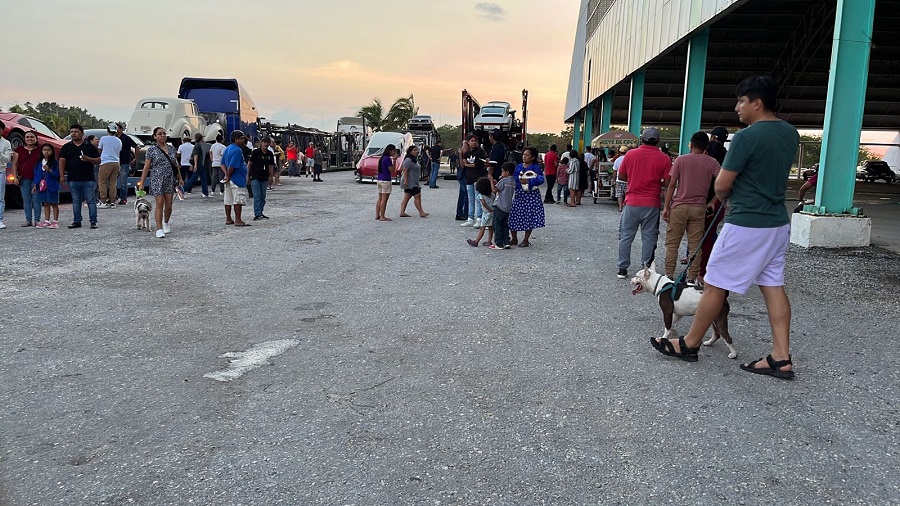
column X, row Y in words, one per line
column 145, row 129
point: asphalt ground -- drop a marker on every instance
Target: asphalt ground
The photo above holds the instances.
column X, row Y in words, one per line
column 423, row 370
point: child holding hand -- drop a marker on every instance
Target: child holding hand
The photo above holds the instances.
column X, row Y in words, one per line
column 483, row 188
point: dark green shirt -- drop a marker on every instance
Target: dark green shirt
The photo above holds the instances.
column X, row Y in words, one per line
column 762, row 155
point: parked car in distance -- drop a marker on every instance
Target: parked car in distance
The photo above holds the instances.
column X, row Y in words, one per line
column 421, row 122
column 495, row 114
column 810, row 172
column 181, row 118
column 367, row 167
column 873, row 170
column 134, row 172
column 16, row 127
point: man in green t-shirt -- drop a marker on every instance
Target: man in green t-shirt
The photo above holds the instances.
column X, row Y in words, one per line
column 752, row 246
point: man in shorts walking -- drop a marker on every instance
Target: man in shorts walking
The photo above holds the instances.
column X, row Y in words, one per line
column 752, row 247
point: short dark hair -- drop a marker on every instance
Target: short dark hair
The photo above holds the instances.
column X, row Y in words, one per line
column 219, row 138
column 237, row 134
column 76, row 126
column 483, row 186
column 762, row 87
column 278, row 141
column 198, row 137
column 700, row 141
column 568, row 147
column 508, row 167
column 553, row 147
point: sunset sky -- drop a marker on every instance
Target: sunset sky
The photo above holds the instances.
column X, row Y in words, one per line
column 306, row 61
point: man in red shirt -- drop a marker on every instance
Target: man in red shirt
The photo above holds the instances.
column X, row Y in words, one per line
column 646, row 170
column 551, row 161
column 685, row 209
column 310, row 158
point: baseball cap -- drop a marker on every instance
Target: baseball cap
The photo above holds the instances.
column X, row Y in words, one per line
column 111, row 127
column 650, row 134
column 720, row 133
column 496, row 133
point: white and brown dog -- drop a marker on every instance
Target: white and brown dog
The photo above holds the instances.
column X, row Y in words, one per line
column 650, row 281
column 142, row 210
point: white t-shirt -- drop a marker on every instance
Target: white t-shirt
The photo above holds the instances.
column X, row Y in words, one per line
column 216, row 151
column 589, row 159
column 185, row 151
column 110, row 148
column 616, row 165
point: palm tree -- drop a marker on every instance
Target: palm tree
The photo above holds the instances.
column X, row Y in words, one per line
column 373, row 114
column 400, row 113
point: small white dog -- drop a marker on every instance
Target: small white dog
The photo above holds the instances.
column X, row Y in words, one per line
column 650, row 281
column 142, row 210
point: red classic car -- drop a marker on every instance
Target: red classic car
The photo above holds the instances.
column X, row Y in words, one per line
column 16, row 126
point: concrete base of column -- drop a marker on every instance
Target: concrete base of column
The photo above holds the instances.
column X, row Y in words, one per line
column 812, row 231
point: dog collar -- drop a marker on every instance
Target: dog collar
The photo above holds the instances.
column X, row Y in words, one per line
column 655, row 292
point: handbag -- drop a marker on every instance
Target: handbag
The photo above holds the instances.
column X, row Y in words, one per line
column 43, row 185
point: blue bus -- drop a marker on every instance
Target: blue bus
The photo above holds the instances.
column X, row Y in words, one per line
column 225, row 100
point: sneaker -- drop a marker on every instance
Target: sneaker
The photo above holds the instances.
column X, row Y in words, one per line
column 507, row 246
column 494, row 246
column 166, row 228
column 263, row 216
column 216, row 193
column 472, row 243
column 2, row 225
column 103, row 205
column 160, row 234
column 43, row 224
column 205, row 196
column 111, row 205
column 27, row 224
column 256, row 218
column 94, row 225
column 75, row 224
column 467, row 223
column 622, row 274
column 477, row 223
column 123, row 202
column 53, row 224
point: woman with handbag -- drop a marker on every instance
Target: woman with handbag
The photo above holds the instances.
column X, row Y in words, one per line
column 527, row 212
column 162, row 167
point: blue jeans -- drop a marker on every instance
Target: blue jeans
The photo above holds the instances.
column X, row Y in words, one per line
column 29, row 201
column 462, row 203
column 2, row 196
column 562, row 189
column 633, row 217
column 474, row 207
column 200, row 174
column 259, row 196
column 501, row 227
column 122, row 182
column 432, row 178
column 83, row 191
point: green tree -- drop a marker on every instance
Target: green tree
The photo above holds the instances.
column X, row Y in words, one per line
column 451, row 136
column 400, row 113
column 58, row 117
column 373, row 114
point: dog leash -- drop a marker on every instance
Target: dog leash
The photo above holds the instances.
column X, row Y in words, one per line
column 683, row 275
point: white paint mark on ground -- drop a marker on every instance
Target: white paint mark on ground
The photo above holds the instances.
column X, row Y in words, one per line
column 258, row 355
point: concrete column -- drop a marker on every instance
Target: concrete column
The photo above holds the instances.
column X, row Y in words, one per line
column 847, row 81
column 576, row 137
column 588, row 127
column 695, row 76
column 636, row 104
column 606, row 110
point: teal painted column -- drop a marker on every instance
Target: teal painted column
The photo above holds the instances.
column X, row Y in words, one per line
column 694, row 79
column 606, row 109
column 588, row 127
column 847, row 81
column 636, row 103
column 576, row 137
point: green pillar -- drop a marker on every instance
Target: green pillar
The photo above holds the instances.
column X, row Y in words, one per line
column 606, row 109
column 636, row 104
column 588, row 127
column 695, row 75
column 847, row 81
column 576, row 138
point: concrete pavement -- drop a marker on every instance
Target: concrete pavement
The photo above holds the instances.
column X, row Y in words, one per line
column 425, row 370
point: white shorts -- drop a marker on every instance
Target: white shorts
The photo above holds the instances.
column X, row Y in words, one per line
column 235, row 195
column 744, row 256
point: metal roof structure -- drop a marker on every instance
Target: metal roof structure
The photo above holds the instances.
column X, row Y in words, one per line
column 788, row 39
